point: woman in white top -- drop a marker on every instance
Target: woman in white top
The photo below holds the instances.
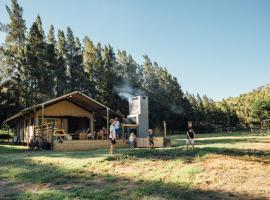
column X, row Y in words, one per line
column 112, row 136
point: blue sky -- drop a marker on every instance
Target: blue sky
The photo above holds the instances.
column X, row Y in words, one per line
column 218, row 48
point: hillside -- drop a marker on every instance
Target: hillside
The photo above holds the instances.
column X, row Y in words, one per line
column 243, row 104
column 264, row 87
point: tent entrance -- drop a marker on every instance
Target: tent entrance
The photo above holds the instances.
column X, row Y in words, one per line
column 78, row 124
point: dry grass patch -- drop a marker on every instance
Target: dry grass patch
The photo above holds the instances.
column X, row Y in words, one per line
column 235, row 175
column 217, row 169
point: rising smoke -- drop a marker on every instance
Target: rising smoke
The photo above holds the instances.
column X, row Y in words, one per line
column 126, row 91
column 176, row 109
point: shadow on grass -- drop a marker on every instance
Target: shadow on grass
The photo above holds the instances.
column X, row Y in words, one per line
column 225, row 141
column 155, row 154
column 179, row 142
column 160, row 154
column 190, row 155
column 60, row 183
column 6, row 148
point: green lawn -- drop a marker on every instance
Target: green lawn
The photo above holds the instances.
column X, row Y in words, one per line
column 230, row 166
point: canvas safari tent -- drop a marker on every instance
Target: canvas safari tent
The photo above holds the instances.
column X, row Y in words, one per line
column 71, row 115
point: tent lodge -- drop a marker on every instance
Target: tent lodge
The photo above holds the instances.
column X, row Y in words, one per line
column 66, row 123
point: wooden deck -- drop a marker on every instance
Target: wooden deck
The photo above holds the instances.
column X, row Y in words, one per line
column 76, row 145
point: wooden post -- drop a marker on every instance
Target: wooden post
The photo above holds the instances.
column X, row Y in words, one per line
column 165, row 128
column 123, row 133
column 8, row 134
column 93, row 122
column 42, row 121
column 108, row 128
column 24, row 136
column 28, row 129
column 52, row 140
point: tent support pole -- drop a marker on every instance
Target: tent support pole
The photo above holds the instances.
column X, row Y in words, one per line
column 108, row 131
column 42, row 121
column 93, row 122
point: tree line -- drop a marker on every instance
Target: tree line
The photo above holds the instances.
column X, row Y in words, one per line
column 38, row 66
column 252, row 108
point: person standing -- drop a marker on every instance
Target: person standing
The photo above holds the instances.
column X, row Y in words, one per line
column 151, row 138
column 117, row 127
column 132, row 140
column 112, row 136
column 190, row 135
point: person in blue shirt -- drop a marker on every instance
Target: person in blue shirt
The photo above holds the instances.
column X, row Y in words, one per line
column 117, row 127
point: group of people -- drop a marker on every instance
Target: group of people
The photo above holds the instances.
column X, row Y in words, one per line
column 115, row 128
column 96, row 134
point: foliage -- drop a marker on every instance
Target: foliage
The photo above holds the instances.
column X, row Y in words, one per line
column 40, row 68
column 246, row 105
column 36, row 67
column 260, row 110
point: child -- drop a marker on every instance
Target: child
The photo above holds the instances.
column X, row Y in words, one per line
column 151, row 138
column 190, row 135
column 132, row 140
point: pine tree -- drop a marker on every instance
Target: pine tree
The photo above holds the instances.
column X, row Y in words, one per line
column 51, row 61
column 151, row 86
column 70, row 56
column 11, row 58
column 16, row 28
column 78, row 76
column 89, row 58
column 61, row 68
column 99, row 75
column 36, row 73
column 111, row 98
column 51, row 37
column 14, row 41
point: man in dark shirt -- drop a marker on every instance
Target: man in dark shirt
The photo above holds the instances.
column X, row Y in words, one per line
column 190, row 135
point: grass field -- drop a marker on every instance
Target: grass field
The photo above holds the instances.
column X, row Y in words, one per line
column 223, row 166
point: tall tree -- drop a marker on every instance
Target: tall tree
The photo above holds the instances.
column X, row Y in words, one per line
column 99, row 75
column 51, row 61
column 111, row 76
column 39, row 24
column 14, row 41
column 16, row 28
column 61, row 68
column 70, row 55
column 36, row 73
column 78, row 77
column 89, row 58
column 11, row 58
